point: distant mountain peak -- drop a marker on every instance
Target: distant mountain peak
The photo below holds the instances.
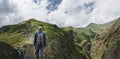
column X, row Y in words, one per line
column 92, row 24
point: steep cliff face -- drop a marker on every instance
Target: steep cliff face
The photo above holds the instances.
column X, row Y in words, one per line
column 107, row 45
column 59, row 42
column 85, row 36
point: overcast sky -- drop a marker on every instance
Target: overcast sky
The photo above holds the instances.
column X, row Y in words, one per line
column 76, row 13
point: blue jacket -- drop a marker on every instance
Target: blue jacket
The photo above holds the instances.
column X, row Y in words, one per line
column 35, row 39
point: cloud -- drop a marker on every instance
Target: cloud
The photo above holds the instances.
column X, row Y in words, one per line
column 29, row 9
column 8, row 12
column 37, row 1
column 72, row 13
column 77, row 13
column 105, row 11
column 53, row 5
column 6, row 7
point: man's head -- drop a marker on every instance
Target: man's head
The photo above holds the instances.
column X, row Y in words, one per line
column 40, row 29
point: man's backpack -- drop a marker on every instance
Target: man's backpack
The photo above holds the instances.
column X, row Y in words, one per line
column 39, row 40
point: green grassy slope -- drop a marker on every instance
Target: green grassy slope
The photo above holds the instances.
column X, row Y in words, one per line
column 87, row 34
column 58, row 44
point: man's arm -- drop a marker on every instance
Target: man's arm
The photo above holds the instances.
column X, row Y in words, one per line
column 35, row 39
column 44, row 39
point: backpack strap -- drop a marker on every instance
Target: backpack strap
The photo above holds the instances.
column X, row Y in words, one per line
column 41, row 34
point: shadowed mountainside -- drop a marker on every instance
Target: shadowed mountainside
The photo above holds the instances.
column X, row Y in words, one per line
column 7, row 52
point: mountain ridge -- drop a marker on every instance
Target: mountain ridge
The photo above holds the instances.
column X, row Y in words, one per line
column 62, row 42
column 59, row 42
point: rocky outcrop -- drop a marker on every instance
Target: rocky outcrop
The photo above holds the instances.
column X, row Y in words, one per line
column 107, row 45
column 7, row 52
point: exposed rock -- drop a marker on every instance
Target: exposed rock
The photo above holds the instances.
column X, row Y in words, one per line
column 7, row 52
column 107, row 45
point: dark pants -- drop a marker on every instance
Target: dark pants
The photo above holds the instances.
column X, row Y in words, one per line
column 39, row 52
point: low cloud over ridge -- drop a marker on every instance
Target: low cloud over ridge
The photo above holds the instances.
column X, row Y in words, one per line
column 76, row 13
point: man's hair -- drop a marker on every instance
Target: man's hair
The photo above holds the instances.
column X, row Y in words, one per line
column 40, row 27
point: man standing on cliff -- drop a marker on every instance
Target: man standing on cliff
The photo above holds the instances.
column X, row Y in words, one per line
column 39, row 43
